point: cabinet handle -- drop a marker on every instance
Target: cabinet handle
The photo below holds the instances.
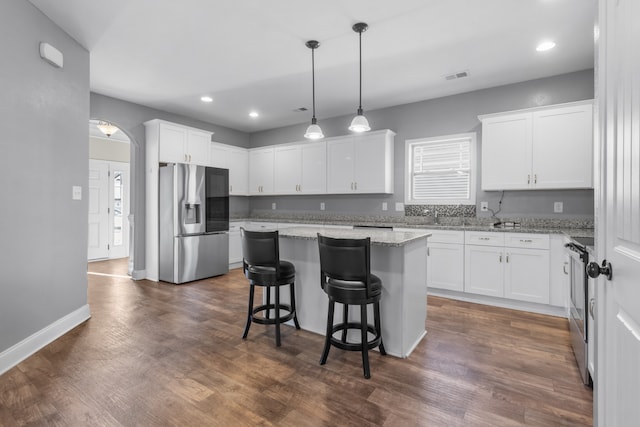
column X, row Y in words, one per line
column 526, row 240
column 484, row 238
column 428, row 253
column 500, row 257
column 352, row 185
column 356, row 185
column 529, row 179
column 507, row 258
column 230, row 188
column 535, row 178
column 592, row 308
column 564, row 268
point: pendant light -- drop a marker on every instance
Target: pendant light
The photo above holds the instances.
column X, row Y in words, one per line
column 360, row 122
column 313, row 131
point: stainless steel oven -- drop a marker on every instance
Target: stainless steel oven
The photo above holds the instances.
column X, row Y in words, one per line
column 578, row 304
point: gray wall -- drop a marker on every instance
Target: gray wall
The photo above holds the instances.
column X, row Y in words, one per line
column 129, row 117
column 44, row 113
column 449, row 115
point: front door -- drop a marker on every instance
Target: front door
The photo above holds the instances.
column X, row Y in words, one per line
column 108, row 210
column 617, row 384
column 98, row 247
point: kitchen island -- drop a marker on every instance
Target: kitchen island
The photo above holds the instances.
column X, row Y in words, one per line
column 397, row 257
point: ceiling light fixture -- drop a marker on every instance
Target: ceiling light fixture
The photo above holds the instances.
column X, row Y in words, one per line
column 360, row 122
column 254, row 114
column 206, row 99
column 545, row 46
column 107, row 128
column 313, row 131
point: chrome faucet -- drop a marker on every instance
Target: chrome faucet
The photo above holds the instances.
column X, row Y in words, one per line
column 434, row 216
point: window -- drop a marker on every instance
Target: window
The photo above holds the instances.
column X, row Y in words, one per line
column 441, row 170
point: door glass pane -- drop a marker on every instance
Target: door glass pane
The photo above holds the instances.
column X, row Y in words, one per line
column 117, row 208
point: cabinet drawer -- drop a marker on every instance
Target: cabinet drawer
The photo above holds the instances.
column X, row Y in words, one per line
column 522, row 240
column 446, row 236
column 484, row 238
column 235, row 226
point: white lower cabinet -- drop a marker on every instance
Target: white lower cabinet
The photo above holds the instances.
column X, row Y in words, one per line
column 514, row 266
column 527, row 275
column 445, row 260
column 235, row 244
column 484, row 270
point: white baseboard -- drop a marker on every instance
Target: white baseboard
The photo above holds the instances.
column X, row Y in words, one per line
column 139, row 274
column 25, row 348
column 532, row 307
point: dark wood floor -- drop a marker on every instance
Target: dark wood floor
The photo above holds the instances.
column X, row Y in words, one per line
column 155, row 354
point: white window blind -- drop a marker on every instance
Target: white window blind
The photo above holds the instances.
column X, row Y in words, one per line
column 441, row 170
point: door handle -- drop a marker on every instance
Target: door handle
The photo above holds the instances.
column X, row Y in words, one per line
column 594, row 270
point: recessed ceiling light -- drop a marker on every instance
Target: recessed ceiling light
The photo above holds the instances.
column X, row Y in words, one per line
column 254, row 114
column 206, row 99
column 545, row 46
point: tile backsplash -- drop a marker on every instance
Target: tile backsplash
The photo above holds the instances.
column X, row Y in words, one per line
column 465, row 211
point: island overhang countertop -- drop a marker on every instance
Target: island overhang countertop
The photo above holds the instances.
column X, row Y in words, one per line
column 378, row 237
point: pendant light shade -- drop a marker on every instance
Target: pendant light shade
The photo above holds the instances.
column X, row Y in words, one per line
column 313, row 131
column 360, row 122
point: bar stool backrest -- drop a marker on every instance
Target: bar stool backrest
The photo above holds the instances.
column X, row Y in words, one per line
column 346, row 260
column 260, row 254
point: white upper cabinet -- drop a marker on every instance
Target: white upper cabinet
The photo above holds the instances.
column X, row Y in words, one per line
column 236, row 159
column 238, row 166
column 361, row 163
column 562, row 152
column 506, row 152
column 300, row 168
column 541, row 148
column 219, row 155
column 181, row 144
column 261, row 171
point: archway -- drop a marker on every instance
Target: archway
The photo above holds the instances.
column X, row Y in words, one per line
column 109, row 195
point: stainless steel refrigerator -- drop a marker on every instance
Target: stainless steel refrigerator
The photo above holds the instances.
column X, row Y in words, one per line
column 194, row 222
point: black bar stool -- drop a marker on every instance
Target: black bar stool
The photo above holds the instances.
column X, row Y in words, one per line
column 345, row 274
column 263, row 267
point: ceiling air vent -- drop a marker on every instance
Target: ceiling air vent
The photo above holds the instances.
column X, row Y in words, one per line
column 458, row 75
column 301, row 109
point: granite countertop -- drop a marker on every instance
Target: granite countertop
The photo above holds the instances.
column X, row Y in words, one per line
column 378, row 237
column 581, row 229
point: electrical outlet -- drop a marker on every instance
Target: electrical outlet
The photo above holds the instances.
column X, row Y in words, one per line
column 321, row 206
column 399, row 207
column 384, row 206
column 273, row 206
column 484, row 206
column 558, row 207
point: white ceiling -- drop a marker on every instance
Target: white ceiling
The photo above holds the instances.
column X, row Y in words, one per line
column 251, row 54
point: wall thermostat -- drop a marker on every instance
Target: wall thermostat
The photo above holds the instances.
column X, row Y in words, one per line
column 52, row 55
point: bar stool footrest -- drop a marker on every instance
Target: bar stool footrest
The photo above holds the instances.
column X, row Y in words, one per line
column 271, row 321
column 337, row 342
